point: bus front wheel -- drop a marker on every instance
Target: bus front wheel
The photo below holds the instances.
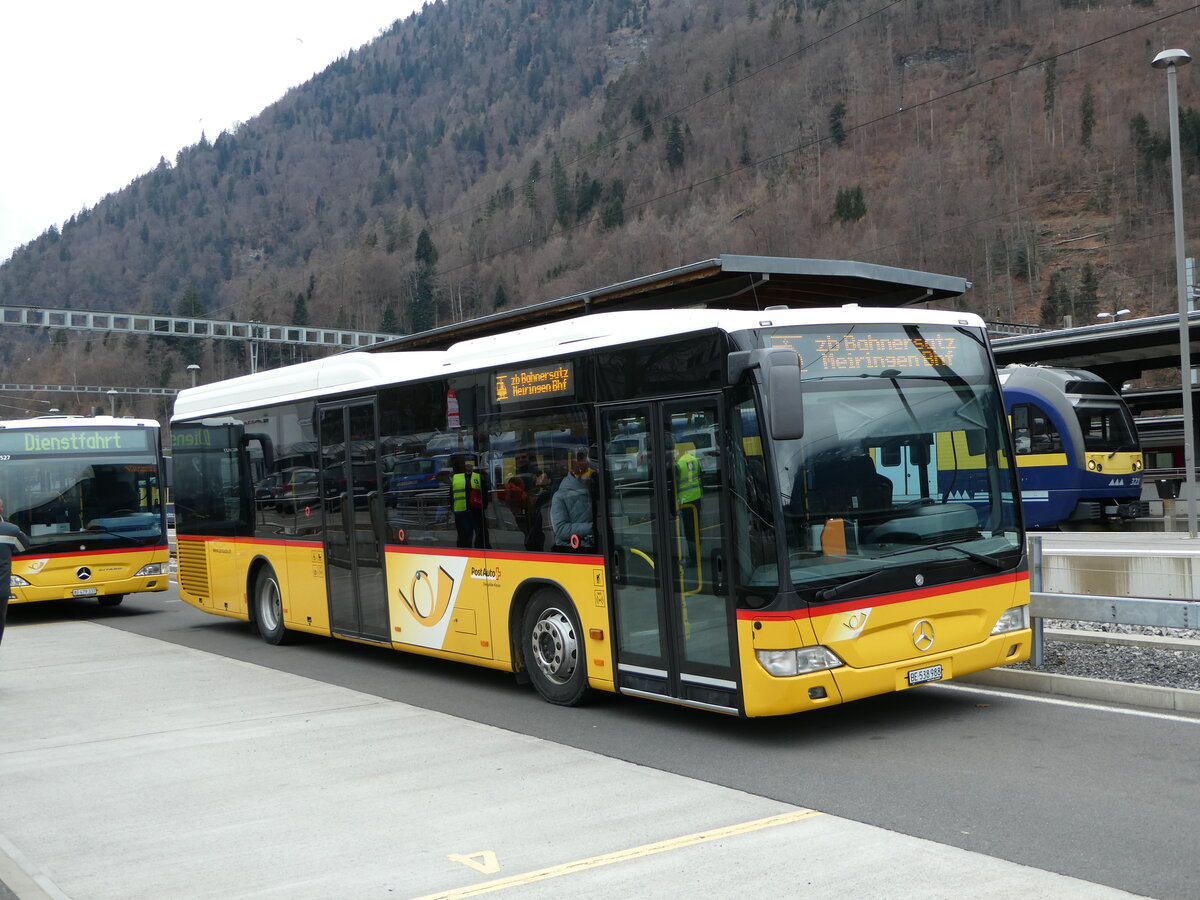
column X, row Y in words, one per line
column 268, row 607
column 553, row 649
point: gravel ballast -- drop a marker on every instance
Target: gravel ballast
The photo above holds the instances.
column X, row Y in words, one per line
column 1142, row 661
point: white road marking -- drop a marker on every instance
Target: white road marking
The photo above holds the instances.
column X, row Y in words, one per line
column 1074, row 704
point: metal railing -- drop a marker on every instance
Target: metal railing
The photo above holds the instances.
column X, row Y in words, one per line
column 1092, row 608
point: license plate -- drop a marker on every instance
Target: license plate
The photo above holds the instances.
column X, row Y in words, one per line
column 92, row 592
column 921, row 676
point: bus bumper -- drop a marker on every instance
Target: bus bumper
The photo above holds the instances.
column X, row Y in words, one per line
column 76, row 590
column 768, row 695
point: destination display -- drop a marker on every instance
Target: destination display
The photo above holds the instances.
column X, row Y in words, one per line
column 554, row 380
column 203, row 437
column 874, row 351
column 19, row 442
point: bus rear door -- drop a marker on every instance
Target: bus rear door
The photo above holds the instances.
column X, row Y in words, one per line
column 667, row 544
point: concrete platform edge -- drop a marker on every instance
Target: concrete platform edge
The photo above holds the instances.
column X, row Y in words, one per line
column 15, row 877
column 1144, row 695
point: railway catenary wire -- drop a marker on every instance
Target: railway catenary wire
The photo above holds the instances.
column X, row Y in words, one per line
column 849, row 129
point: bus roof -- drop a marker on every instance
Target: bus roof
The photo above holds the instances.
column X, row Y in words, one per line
column 362, row 371
column 78, row 421
column 729, row 281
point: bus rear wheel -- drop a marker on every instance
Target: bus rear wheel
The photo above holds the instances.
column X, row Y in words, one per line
column 268, row 607
column 553, row 649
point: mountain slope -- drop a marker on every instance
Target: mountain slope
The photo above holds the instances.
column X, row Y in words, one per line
column 545, row 148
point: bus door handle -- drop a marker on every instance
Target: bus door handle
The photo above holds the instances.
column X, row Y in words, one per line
column 618, row 565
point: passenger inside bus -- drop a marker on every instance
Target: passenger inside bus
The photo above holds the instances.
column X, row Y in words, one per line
column 572, row 509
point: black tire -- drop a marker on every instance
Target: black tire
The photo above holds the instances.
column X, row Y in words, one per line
column 552, row 644
column 110, row 600
column 268, row 608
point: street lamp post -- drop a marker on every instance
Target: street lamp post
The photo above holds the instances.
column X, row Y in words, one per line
column 1115, row 316
column 195, row 370
column 1171, row 60
column 112, row 403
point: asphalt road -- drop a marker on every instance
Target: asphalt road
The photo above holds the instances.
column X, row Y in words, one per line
column 1102, row 794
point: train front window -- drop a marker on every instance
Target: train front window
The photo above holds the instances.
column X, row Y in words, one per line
column 1107, row 426
column 902, row 477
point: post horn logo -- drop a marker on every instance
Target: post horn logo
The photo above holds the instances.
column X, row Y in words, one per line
column 922, row 635
column 426, row 599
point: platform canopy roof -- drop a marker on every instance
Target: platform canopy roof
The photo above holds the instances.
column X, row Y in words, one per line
column 1116, row 351
column 726, row 282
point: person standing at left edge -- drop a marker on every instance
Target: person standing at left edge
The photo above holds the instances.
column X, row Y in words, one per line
column 12, row 540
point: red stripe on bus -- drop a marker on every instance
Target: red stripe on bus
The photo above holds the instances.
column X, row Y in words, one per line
column 513, row 555
column 34, row 554
column 260, row 542
column 884, row 600
column 578, row 558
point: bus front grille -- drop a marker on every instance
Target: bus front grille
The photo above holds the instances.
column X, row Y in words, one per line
column 193, row 568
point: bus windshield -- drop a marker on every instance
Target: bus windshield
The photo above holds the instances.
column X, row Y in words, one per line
column 60, row 500
column 902, row 477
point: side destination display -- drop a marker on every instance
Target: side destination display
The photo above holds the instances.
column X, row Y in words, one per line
column 553, row 380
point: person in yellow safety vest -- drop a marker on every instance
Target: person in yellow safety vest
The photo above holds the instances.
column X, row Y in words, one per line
column 688, row 491
column 467, row 499
column 687, row 476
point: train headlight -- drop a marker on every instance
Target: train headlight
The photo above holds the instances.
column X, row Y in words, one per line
column 1015, row 618
column 153, row 569
column 17, row 581
column 798, row 661
column 1093, row 465
column 1137, row 465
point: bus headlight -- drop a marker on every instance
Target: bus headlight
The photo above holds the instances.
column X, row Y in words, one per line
column 798, row 661
column 153, row 569
column 17, row 581
column 1015, row 618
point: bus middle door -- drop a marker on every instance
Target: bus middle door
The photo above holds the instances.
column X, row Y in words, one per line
column 673, row 616
column 353, row 523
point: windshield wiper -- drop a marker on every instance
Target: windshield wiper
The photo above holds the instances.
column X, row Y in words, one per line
column 837, row 590
column 950, row 545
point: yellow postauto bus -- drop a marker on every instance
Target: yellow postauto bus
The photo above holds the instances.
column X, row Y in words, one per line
column 684, row 505
column 89, row 492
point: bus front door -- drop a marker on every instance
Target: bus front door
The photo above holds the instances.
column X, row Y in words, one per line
column 354, row 535
column 673, row 615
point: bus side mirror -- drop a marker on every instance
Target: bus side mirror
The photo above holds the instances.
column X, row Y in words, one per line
column 778, row 370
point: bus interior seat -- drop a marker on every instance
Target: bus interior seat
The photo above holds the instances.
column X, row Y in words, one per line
column 847, row 486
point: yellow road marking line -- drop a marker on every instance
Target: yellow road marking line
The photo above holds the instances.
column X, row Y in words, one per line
column 606, row 859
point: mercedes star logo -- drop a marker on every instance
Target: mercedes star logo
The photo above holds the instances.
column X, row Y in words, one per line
column 923, row 635
column 83, row 573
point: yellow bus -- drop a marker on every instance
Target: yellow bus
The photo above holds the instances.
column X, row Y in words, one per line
column 684, row 505
column 89, row 491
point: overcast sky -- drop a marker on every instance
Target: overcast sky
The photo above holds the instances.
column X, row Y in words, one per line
column 92, row 94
